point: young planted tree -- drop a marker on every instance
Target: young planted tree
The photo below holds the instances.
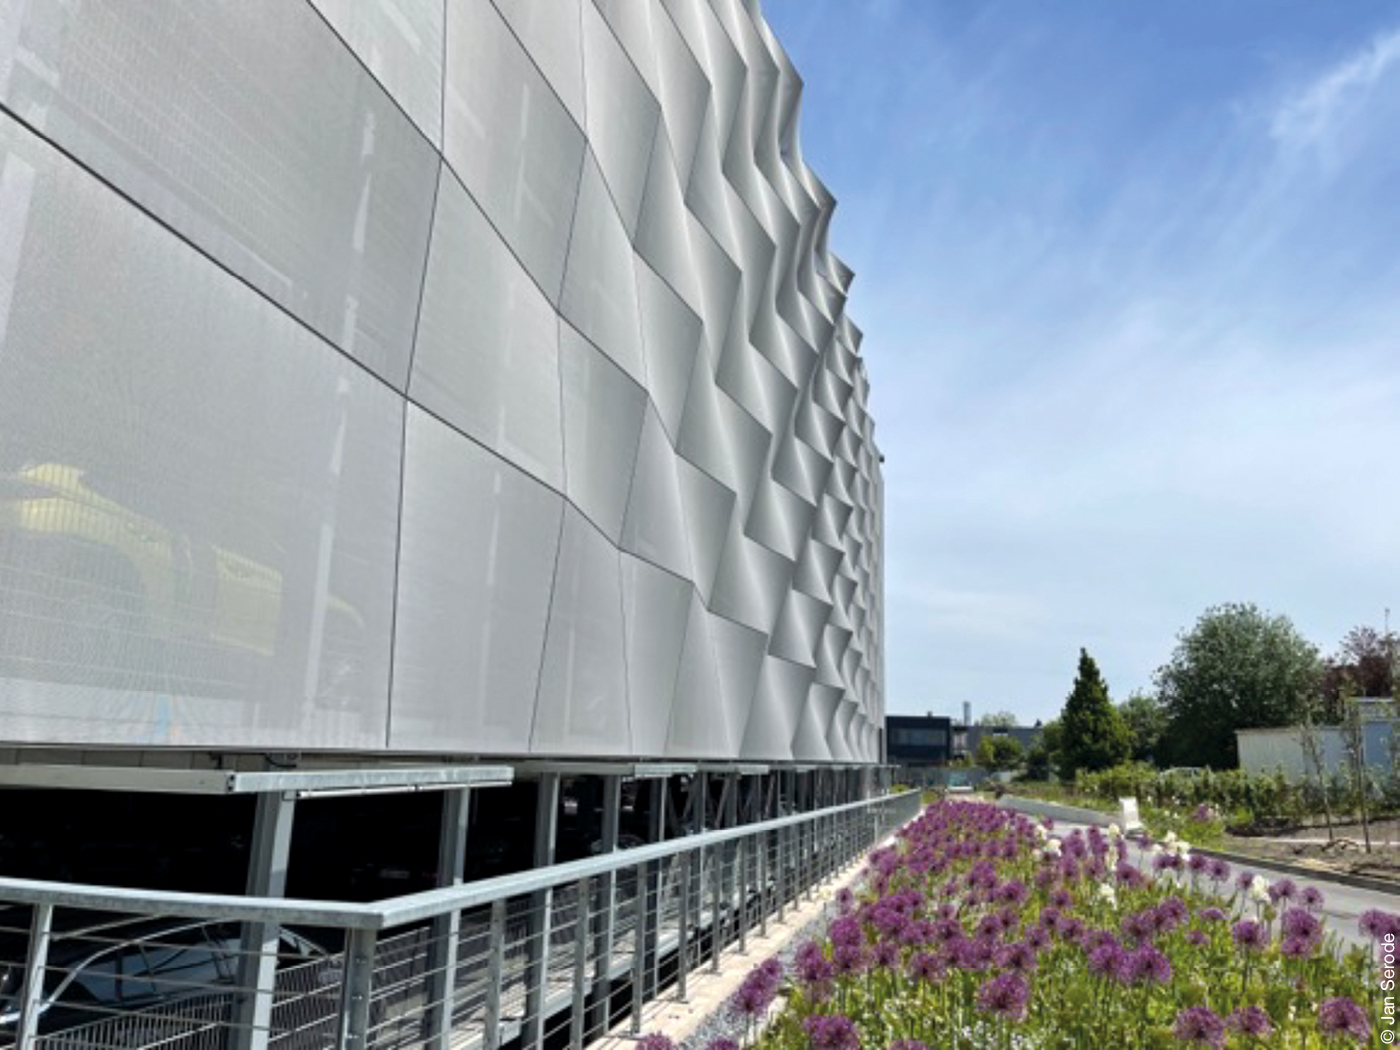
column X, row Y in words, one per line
column 1093, row 735
column 1312, row 757
column 1355, row 738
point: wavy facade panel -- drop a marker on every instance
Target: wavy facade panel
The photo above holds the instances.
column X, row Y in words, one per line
column 400, row 376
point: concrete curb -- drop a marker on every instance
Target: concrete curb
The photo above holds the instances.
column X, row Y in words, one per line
column 1034, row 807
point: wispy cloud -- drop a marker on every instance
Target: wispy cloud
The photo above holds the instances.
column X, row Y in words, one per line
column 1310, row 116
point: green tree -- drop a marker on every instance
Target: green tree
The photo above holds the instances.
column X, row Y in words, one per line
column 1146, row 720
column 1052, row 738
column 1238, row 668
column 1004, row 719
column 1092, row 733
column 999, row 752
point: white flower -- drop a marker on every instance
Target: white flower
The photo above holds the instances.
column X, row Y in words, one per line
column 1183, row 848
column 1156, row 848
column 1114, row 831
column 1052, row 847
column 1107, row 893
column 1169, row 838
column 1040, row 832
column 1259, row 890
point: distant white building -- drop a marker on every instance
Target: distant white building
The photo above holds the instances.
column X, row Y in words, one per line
column 1270, row 750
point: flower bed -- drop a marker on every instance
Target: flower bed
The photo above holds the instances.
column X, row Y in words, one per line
column 981, row 929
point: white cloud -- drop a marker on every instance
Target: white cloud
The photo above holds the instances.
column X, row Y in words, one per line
column 1309, row 117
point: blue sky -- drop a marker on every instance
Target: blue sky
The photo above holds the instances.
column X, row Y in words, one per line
column 1129, row 277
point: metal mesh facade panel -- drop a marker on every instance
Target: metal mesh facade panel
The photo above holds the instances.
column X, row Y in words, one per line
column 409, row 376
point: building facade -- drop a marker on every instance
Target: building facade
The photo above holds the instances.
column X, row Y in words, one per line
column 398, row 377
column 918, row 740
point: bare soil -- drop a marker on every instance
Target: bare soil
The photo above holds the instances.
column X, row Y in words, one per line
column 1345, row 853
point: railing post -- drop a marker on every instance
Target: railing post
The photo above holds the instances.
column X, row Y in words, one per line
column 716, row 926
column 353, row 1028
column 782, row 882
column 578, row 1011
column 39, row 929
column 495, row 965
column 639, row 948
column 765, row 898
column 741, row 862
column 683, row 928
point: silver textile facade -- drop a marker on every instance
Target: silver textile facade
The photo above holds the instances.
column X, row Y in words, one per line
column 410, row 376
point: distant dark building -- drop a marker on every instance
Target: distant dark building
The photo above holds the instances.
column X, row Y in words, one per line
column 918, row 740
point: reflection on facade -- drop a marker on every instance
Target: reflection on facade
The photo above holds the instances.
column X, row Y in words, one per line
column 408, row 377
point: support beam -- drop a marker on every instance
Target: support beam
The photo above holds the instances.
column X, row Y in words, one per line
column 267, row 877
column 447, row 929
column 352, row 1031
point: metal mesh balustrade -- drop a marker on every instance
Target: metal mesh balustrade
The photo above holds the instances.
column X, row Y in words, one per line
column 564, row 952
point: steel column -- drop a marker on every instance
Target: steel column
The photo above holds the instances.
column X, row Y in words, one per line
column 495, row 967
column 447, row 929
column 40, row 927
column 538, row 923
column 650, row 886
column 683, row 928
column 267, row 877
column 577, row 1012
column 604, row 929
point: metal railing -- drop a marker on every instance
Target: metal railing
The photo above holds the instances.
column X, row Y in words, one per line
column 558, row 953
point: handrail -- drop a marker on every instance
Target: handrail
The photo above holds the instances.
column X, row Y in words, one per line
column 392, row 912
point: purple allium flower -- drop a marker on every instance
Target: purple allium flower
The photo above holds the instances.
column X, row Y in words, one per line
column 1312, row 898
column 990, row 926
column 927, row 968
column 1061, row 899
column 831, row 1033
column 1342, row 1017
column 1013, row 892
column 1200, row 1026
column 1244, row 879
column 1038, row 938
column 845, row 931
column 845, row 900
column 849, row 959
column 1145, row 966
column 655, row 1041
column 1297, row 947
column 1019, row 958
column 1299, row 923
column 1283, row 890
column 886, row 954
column 1049, row 915
column 1376, row 924
column 1251, row 1020
column 722, row 1044
column 1006, row 996
column 1197, row 864
column 1197, row 938
column 1250, row 935
column 1219, row 870
column 753, row 996
column 1105, row 960
column 1212, row 915
column 1138, row 925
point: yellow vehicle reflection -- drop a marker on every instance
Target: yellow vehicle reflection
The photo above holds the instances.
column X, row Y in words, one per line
column 92, row 590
